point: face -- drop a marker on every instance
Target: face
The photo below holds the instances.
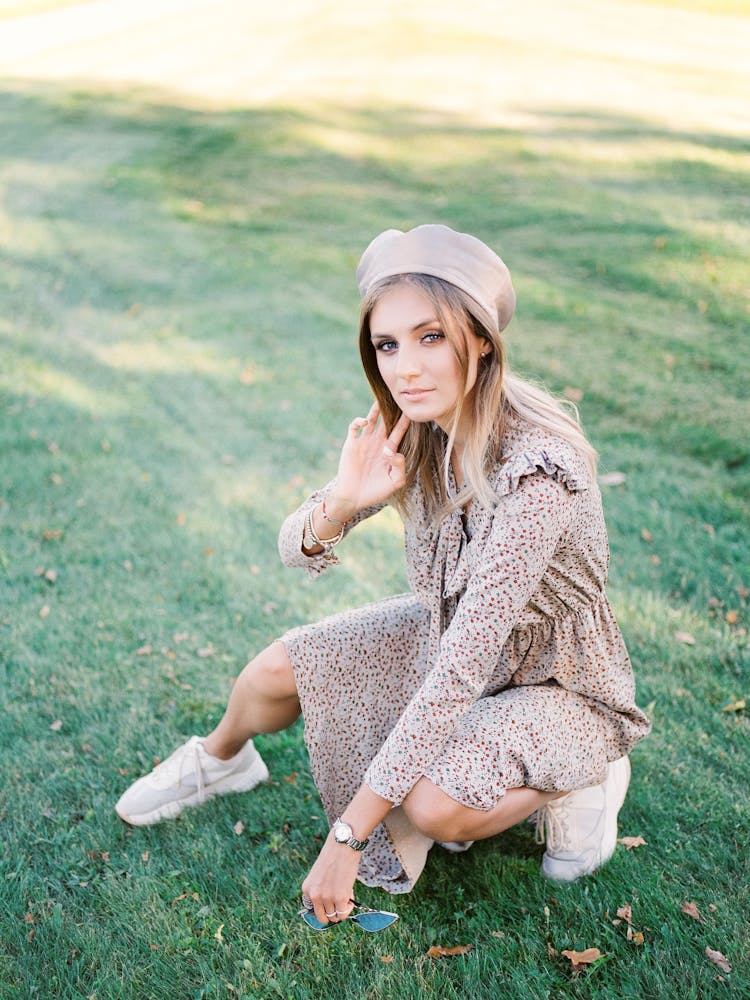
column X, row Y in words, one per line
column 415, row 359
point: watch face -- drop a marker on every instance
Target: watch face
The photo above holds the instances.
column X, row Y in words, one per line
column 342, row 832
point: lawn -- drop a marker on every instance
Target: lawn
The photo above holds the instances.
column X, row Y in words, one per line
column 178, row 366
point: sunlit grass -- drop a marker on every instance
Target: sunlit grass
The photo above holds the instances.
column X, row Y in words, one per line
column 179, row 366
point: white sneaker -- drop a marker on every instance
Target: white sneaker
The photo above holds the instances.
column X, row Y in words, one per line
column 581, row 827
column 188, row 778
column 455, row 846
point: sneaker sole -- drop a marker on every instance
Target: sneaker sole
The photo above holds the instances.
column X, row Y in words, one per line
column 243, row 782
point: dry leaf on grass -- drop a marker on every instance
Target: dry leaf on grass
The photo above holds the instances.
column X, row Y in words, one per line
column 612, row 478
column 631, row 842
column 685, row 637
column 732, row 617
column 573, row 394
column 736, row 706
column 238, row 827
column 438, row 951
column 56, row 726
column 626, row 912
column 718, row 959
column 580, row 959
column 692, row 911
column 144, row 650
column 44, row 611
column 386, row 958
column 635, row 936
column 646, row 535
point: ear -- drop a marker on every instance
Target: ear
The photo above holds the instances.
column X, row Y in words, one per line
column 485, row 348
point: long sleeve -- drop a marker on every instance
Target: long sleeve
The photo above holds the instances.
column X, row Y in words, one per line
column 527, row 527
column 290, row 534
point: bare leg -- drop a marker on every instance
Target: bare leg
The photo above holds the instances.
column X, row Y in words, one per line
column 439, row 816
column 263, row 700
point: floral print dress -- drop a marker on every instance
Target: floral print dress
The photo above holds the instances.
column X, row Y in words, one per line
column 504, row 667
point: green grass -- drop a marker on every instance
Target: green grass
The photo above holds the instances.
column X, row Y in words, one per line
column 178, row 366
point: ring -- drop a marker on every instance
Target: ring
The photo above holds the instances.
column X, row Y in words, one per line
column 331, row 914
column 307, row 902
column 338, row 913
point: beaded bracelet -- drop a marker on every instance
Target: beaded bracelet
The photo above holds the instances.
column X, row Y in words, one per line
column 326, row 544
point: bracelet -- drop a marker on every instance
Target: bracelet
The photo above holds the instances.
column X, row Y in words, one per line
column 325, row 544
column 331, row 520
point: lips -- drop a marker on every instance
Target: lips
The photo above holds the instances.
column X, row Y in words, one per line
column 415, row 393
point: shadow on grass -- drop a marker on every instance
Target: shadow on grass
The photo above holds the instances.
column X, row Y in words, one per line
column 179, row 317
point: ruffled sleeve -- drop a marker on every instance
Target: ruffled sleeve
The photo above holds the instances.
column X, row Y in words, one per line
column 290, row 535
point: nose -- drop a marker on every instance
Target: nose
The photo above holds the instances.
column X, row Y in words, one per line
column 407, row 362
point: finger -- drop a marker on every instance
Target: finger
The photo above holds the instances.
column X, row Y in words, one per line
column 343, row 908
column 397, row 469
column 397, row 434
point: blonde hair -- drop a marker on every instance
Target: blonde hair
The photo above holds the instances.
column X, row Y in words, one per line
column 498, row 394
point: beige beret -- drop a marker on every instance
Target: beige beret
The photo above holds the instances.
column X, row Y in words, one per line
column 461, row 259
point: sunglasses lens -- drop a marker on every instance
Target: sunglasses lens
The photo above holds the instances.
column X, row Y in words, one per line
column 374, row 920
column 312, row 921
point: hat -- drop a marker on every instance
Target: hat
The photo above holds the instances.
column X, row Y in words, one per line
column 461, row 259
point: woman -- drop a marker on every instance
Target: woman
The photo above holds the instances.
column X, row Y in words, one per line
column 500, row 686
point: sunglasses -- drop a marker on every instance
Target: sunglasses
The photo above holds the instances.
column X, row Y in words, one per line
column 367, row 919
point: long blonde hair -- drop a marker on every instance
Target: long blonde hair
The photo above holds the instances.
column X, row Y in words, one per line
column 497, row 395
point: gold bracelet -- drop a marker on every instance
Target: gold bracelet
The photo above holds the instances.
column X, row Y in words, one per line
column 331, row 520
column 326, row 544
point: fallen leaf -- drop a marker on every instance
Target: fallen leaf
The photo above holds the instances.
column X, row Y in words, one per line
column 154, row 947
column 144, row 650
column 573, row 394
column 438, row 951
column 181, row 636
column 51, row 575
column 580, row 959
column 291, row 778
column 692, row 911
column 238, row 827
column 718, row 959
column 498, row 934
column 55, row 479
column 646, row 535
column 44, row 611
column 551, row 953
column 106, row 446
column 660, row 242
column 386, row 958
column 208, row 551
column 206, row 651
column 736, row 706
column 56, row 726
column 612, row 478
column 128, row 565
column 247, row 376
column 743, row 592
column 626, row 913
column 685, row 637
column 631, row 842
column 732, row 617
column 654, row 559
column 218, row 935
column 637, row 937
column 712, row 908
column 29, row 918
column 181, row 518
column 145, row 856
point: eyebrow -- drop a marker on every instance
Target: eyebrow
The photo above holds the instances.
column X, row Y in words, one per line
column 418, row 326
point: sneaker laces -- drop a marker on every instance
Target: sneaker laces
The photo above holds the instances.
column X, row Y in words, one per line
column 551, row 824
column 178, row 764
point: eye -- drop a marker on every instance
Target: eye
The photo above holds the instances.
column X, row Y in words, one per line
column 385, row 346
column 433, row 337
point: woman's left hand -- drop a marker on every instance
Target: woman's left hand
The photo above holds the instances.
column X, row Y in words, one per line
column 330, row 883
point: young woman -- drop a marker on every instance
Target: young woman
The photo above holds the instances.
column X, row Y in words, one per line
column 500, row 686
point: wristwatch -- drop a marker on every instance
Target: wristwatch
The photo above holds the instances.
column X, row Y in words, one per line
column 343, row 834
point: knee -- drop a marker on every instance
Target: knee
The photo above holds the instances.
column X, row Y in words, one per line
column 434, row 813
column 270, row 674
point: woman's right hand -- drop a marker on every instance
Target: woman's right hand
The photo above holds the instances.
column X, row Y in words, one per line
column 370, row 467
